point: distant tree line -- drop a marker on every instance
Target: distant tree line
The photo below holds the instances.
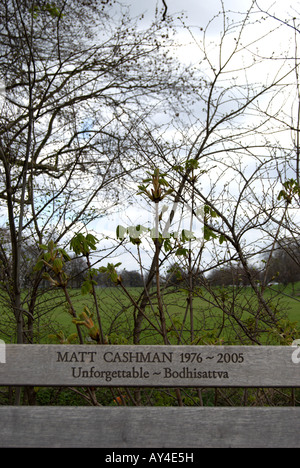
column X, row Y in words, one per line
column 130, row 279
column 282, row 266
column 232, row 275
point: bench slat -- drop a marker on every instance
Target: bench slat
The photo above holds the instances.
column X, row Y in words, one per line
column 149, row 427
column 150, row 366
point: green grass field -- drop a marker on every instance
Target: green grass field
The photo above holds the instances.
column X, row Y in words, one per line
column 209, row 322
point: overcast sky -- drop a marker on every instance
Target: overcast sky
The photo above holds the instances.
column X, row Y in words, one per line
column 199, row 12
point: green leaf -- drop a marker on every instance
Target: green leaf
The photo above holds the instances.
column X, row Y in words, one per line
column 181, row 251
column 209, row 234
column 178, row 168
column 87, row 286
column 91, row 240
column 39, row 265
column 81, row 244
column 209, row 211
column 135, row 241
column 53, row 10
column 192, row 164
column 64, row 254
column 167, row 245
column 222, row 239
column 57, row 265
column 47, row 257
column 110, row 270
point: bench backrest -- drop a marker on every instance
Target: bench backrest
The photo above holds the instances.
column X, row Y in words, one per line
column 149, row 366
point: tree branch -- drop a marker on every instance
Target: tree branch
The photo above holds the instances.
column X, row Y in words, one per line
column 165, row 10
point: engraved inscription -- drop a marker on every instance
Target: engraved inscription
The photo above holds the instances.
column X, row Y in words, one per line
column 108, row 376
column 128, row 356
column 109, row 365
column 188, row 373
column 79, row 356
column 149, row 366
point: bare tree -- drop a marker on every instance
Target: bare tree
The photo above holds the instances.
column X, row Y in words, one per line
column 229, row 158
column 73, row 74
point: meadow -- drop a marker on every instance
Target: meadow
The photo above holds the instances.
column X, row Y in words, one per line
column 210, row 324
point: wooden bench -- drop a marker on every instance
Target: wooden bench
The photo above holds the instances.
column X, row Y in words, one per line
column 149, row 366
